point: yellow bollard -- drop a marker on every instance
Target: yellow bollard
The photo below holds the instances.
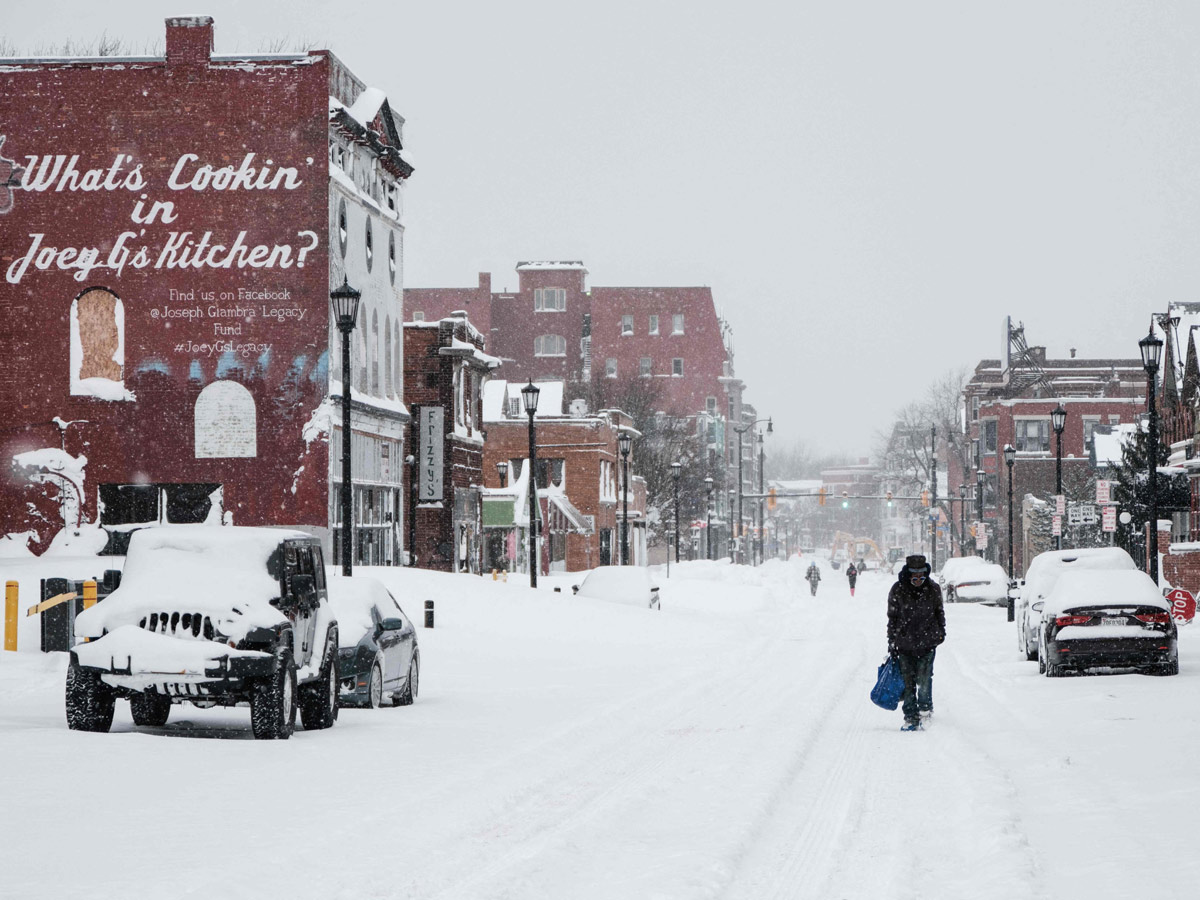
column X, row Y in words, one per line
column 10, row 615
column 89, row 594
column 495, row 575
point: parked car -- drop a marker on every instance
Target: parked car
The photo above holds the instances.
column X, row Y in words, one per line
column 378, row 656
column 986, row 584
column 214, row 616
column 954, row 570
column 1098, row 618
column 1043, row 573
column 620, row 584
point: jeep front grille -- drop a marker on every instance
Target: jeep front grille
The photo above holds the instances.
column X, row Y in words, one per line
column 184, row 625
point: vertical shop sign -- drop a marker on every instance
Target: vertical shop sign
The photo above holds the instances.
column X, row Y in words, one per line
column 430, row 465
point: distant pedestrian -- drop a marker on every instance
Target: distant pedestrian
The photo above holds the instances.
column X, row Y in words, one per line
column 814, row 577
column 916, row 626
column 852, row 577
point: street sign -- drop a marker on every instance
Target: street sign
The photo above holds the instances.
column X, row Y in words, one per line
column 1056, row 525
column 1103, row 492
column 1060, row 505
column 981, row 535
column 1183, row 605
column 1082, row 514
column 1109, row 518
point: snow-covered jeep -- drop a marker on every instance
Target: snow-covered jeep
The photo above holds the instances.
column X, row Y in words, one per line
column 216, row 616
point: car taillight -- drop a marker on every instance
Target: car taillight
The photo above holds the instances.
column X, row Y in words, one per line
column 1159, row 618
column 1063, row 621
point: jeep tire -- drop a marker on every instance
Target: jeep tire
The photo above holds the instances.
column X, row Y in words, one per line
column 319, row 700
column 150, row 710
column 273, row 703
column 90, row 702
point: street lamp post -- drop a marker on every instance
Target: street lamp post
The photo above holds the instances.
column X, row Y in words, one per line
column 979, row 476
column 762, row 522
column 742, row 429
column 962, row 518
column 1058, row 421
column 345, row 311
column 676, row 468
column 708, row 485
column 1151, row 348
column 933, row 511
column 625, row 441
column 529, row 396
column 502, row 471
column 1010, row 456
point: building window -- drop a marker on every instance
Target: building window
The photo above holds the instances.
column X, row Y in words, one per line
column 677, row 323
column 677, row 366
column 644, row 367
column 392, row 256
column 343, row 228
column 710, row 405
column 610, row 368
column 626, row 324
column 514, row 412
column 550, row 345
column 1114, row 420
column 974, row 408
column 654, row 324
column 1033, row 435
column 418, row 316
column 370, row 246
column 988, row 433
column 1089, row 429
column 550, row 300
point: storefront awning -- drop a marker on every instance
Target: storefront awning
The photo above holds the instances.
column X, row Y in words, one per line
column 579, row 522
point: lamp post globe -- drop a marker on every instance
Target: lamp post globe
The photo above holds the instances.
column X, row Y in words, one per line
column 529, row 397
column 624, row 443
column 344, row 301
column 1151, row 350
column 502, row 471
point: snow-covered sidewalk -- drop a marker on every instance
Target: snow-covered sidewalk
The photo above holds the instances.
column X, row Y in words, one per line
column 562, row 748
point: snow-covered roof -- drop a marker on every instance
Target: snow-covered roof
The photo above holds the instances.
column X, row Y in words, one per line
column 1108, row 445
column 551, row 264
column 367, row 106
column 497, row 393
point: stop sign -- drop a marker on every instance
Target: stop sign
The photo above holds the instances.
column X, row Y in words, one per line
column 1183, row 605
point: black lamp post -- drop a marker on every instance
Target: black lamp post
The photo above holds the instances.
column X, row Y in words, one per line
column 762, row 522
column 708, row 486
column 625, row 441
column 979, row 476
column 1151, row 348
column 1058, row 421
column 529, row 396
column 502, row 471
column 676, row 468
column 962, row 518
column 345, row 312
column 1010, row 456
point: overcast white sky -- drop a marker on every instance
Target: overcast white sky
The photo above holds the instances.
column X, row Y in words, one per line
column 868, row 187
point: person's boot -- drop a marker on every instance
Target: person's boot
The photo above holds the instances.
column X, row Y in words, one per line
column 911, row 725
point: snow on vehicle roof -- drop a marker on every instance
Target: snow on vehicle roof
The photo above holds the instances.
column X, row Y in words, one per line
column 982, row 573
column 621, row 583
column 958, row 566
column 208, row 569
column 1046, row 568
column 352, row 599
column 1113, row 588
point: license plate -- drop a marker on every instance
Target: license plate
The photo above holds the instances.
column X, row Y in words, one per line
column 1114, row 620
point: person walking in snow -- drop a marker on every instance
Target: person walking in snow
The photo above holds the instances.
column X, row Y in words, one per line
column 852, row 577
column 916, row 626
column 814, row 577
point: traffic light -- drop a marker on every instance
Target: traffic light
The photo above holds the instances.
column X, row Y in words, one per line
column 845, row 499
column 771, row 501
column 821, row 497
column 889, row 498
column 973, row 534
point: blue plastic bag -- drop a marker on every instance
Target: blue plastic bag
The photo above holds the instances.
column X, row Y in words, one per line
column 889, row 686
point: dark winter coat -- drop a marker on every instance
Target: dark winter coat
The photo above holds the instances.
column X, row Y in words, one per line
column 916, row 617
column 852, row 574
column 813, row 573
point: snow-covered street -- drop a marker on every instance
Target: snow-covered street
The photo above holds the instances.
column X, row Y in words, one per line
column 724, row 747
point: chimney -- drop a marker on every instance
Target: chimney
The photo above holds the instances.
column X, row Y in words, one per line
column 1072, row 353
column 189, row 40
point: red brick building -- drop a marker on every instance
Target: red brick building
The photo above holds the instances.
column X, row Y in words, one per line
column 170, row 230
column 1009, row 402
column 444, row 373
column 579, row 484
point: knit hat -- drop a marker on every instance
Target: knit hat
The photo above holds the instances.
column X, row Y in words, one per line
column 917, row 564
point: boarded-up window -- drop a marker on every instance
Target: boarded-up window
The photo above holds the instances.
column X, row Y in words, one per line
column 226, row 422
column 99, row 336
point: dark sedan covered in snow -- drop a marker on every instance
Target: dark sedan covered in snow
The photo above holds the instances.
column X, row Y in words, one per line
column 378, row 656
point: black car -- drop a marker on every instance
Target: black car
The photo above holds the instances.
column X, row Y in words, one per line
column 1094, row 619
column 378, row 656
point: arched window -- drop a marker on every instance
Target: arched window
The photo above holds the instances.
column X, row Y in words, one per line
column 370, row 245
column 399, row 371
column 360, row 360
column 98, row 345
column 225, row 422
column 549, row 345
column 375, row 353
column 343, row 228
